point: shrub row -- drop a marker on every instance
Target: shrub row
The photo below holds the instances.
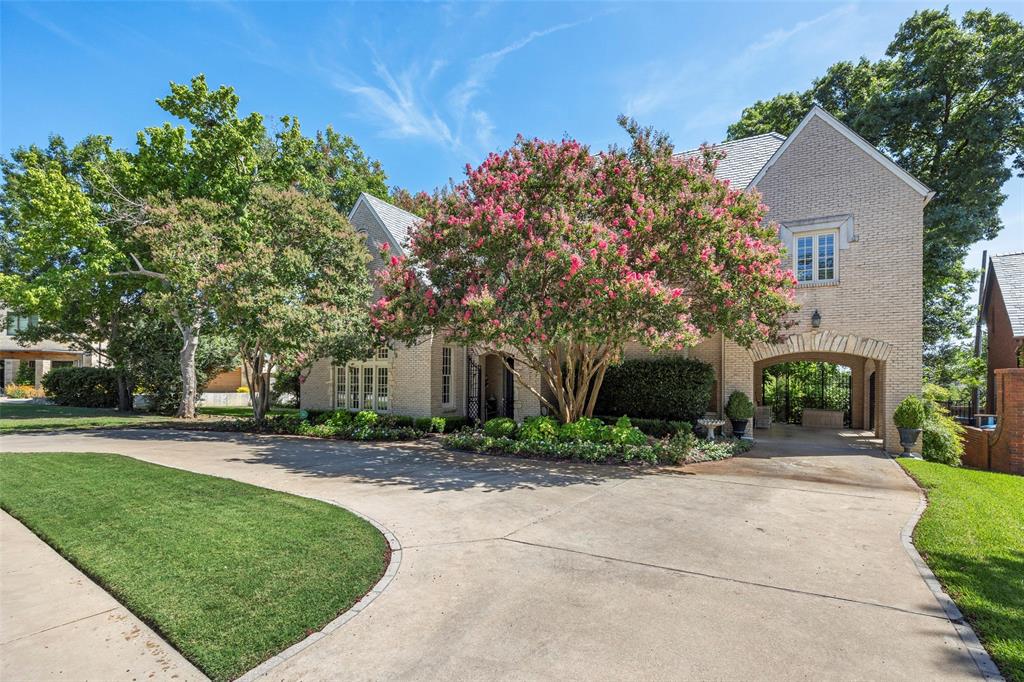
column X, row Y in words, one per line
column 682, row 448
column 672, row 388
column 546, row 429
column 81, row 386
column 347, row 425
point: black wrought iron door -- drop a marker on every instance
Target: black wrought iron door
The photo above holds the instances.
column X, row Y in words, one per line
column 472, row 390
column 509, row 399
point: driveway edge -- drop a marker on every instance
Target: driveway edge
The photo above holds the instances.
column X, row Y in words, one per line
column 353, row 611
column 981, row 658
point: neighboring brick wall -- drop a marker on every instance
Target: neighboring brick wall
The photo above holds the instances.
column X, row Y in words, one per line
column 1002, row 346
column 976, row 448
column 1006, row 445
column 226, row 382
column 879, row 295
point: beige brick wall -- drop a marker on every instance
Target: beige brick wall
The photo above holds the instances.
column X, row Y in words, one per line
column 822, row 173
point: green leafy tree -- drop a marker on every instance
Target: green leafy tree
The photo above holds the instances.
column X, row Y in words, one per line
column 947, row 104
column 417, row 204
column 58, row 251
column 299, row 290
column 559, row 257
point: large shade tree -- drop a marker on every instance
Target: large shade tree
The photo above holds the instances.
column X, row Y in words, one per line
column 298, row 290
column 947, row 103
column 560, row 257
column 96, row 237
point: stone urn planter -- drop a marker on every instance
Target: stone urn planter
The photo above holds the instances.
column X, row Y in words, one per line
column 739, row 409
column 739, row 427
column 908, row 437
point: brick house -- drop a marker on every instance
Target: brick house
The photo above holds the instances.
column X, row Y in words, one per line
column 40, row 357
column 1002, row 313
column 851, row 220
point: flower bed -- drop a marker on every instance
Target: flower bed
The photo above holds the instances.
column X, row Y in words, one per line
column 343, row 425
column 590, row 440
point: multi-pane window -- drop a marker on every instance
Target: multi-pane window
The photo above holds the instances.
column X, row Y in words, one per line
column 805, row 259
column 815, row 257
column 382, row 389
column 353, row 387
column 446, row 376
column 368, row 388
column 364, row 385
column 20, row 323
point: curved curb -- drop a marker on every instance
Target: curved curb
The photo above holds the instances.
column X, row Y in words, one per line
column 986, row 666
column 353, row 611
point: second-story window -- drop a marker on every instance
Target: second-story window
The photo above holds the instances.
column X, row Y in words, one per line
column 815, row 258
column 20, row 323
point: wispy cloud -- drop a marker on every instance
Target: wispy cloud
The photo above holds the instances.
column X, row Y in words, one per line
column 667, row 85
column 67, row 36
column 395, row 103
column 481, row 70
column 398, row 99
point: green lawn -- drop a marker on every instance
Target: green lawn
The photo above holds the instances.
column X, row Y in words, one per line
column 228, row 573
column 972, row 536
column 243, row 411
column 35, row 417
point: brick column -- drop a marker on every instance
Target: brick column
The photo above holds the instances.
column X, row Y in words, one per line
column 737, row 375
column 1007, row 443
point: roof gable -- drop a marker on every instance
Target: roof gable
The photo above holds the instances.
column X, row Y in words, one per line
column 1008, row 270
column 397, row 222
column 853, row 137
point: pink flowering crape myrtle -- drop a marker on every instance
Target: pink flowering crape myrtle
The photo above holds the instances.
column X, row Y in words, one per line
column 559, row 257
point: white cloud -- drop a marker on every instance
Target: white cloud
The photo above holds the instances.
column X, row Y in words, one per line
column 397, row 101
column 667, row 86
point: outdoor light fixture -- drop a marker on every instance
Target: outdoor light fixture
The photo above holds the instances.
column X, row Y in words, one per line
column 816, row 319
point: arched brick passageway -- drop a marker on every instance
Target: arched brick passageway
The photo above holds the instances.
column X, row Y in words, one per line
column 866, row 358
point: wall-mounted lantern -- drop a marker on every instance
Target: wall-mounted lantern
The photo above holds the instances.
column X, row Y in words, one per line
column 816, row 319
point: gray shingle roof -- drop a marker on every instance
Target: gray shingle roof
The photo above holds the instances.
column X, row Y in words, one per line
column 397, row 221
column 743, row 157
column 1009, row 272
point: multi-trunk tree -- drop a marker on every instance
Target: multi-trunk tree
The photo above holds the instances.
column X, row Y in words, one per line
column 559, row 257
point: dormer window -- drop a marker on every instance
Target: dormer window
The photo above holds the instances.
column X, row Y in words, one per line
column 815, row 257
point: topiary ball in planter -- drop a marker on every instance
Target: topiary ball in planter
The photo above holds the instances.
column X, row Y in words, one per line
column 909, row 419
column 739, row 409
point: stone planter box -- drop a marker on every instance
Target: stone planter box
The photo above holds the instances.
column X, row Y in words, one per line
column 822, row 419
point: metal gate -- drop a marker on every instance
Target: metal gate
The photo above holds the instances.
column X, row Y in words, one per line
column 789, row 387
column 472, row 390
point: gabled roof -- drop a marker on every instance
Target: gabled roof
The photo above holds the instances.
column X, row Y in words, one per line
column 1008, row 270
column 743, row 157
column 397, row 222
column 846, row 131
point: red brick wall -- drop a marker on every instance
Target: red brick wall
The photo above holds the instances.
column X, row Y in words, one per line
column 976, row 448
column 1002, row 347
column 1007, row 443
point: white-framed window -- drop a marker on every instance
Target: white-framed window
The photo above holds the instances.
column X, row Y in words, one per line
column 815, row 257
column 364, row 385
column 446, row 376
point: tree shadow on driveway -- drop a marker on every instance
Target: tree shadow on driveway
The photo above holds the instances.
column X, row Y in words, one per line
column 423, row 465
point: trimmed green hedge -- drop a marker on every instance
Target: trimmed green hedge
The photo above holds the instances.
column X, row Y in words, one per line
column 671, row 388
column 81, row 386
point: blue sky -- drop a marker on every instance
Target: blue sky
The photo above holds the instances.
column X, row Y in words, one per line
column 427, row 87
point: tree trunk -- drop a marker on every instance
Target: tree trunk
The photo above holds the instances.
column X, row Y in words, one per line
column 125, row 402
column 187, row 364
column 258, row 369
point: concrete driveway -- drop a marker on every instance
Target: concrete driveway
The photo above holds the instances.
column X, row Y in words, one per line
column 783, row 564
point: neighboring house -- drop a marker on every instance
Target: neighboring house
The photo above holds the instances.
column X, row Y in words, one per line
column 40, row 357
column 852, row 222
column 1002, row 313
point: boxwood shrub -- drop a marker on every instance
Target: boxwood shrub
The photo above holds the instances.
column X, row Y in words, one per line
column 671, row 388
column 81, row 386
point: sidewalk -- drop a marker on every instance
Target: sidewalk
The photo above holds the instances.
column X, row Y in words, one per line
column 55, row 623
